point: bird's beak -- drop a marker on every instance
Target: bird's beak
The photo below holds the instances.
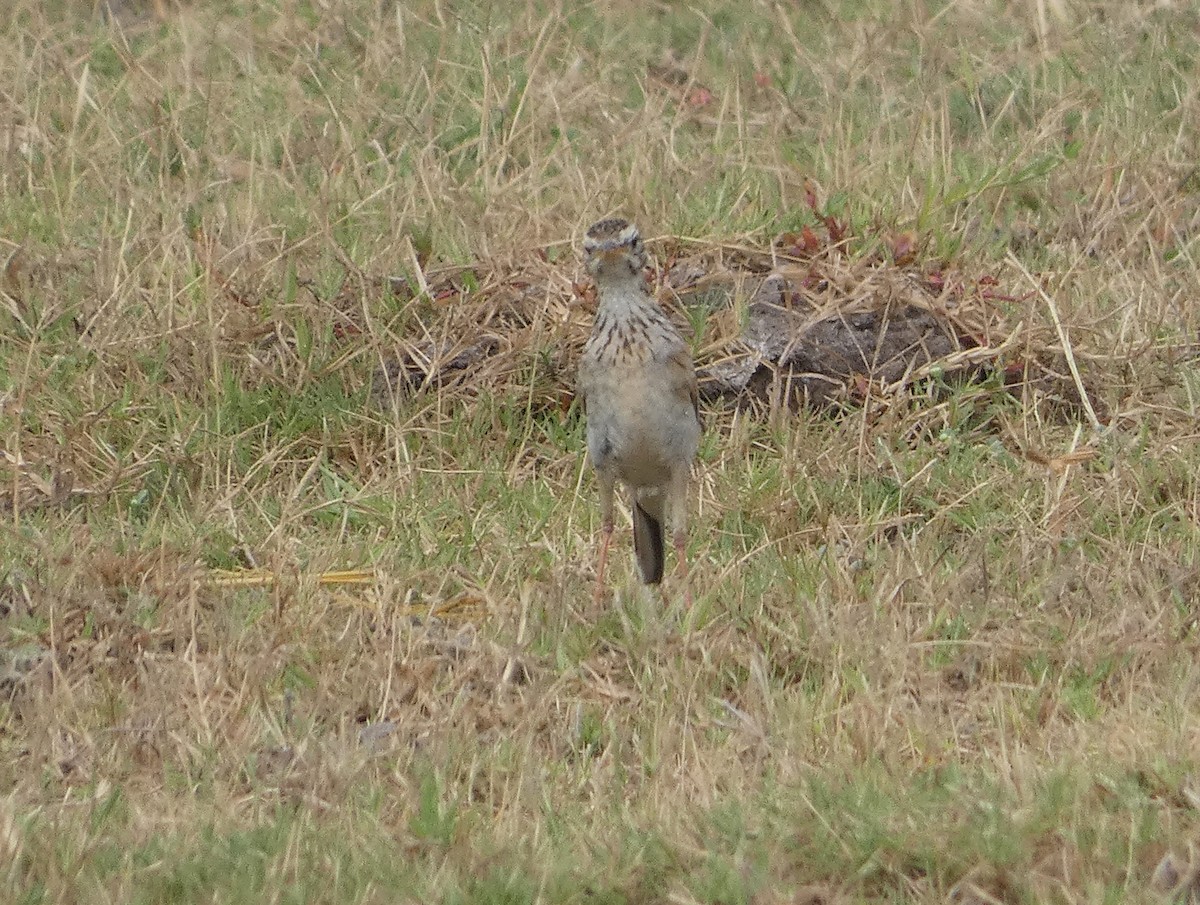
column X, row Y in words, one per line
column 611, row 255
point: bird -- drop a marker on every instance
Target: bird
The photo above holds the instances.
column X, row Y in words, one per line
column 637, row 382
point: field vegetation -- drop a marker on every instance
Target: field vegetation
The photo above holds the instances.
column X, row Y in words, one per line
column 296, row 535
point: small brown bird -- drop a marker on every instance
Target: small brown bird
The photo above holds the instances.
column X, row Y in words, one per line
column 638, row 386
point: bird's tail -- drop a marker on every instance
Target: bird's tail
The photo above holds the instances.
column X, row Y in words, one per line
column 648, row 537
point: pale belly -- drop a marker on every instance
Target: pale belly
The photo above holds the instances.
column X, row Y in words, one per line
column 638, row 431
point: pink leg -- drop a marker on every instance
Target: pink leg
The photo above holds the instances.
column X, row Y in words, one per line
column 678, row 499
column 680, row 540
column 607, row 488
column 606, row 534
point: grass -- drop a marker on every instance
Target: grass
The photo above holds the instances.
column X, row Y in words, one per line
column 943, row 644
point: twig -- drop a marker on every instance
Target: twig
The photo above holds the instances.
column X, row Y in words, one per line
column 1062, row 338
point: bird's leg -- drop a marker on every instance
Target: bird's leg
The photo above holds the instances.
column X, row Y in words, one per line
column 678, row 505
column 680, row 540
column 606, row 532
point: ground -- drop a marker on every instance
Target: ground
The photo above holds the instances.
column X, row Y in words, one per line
column 298, row 536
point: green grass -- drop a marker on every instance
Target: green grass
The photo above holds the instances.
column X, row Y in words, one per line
column 930, row 651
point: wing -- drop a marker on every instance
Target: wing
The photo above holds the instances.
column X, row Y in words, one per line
column 683, row 378
column 583, row 381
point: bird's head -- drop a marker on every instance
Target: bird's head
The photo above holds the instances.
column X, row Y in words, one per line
column 612, row 249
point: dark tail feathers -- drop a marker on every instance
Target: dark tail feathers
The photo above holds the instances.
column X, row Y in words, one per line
column 648, row 544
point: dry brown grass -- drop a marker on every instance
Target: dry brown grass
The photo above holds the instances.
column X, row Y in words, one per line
column 944, row 644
